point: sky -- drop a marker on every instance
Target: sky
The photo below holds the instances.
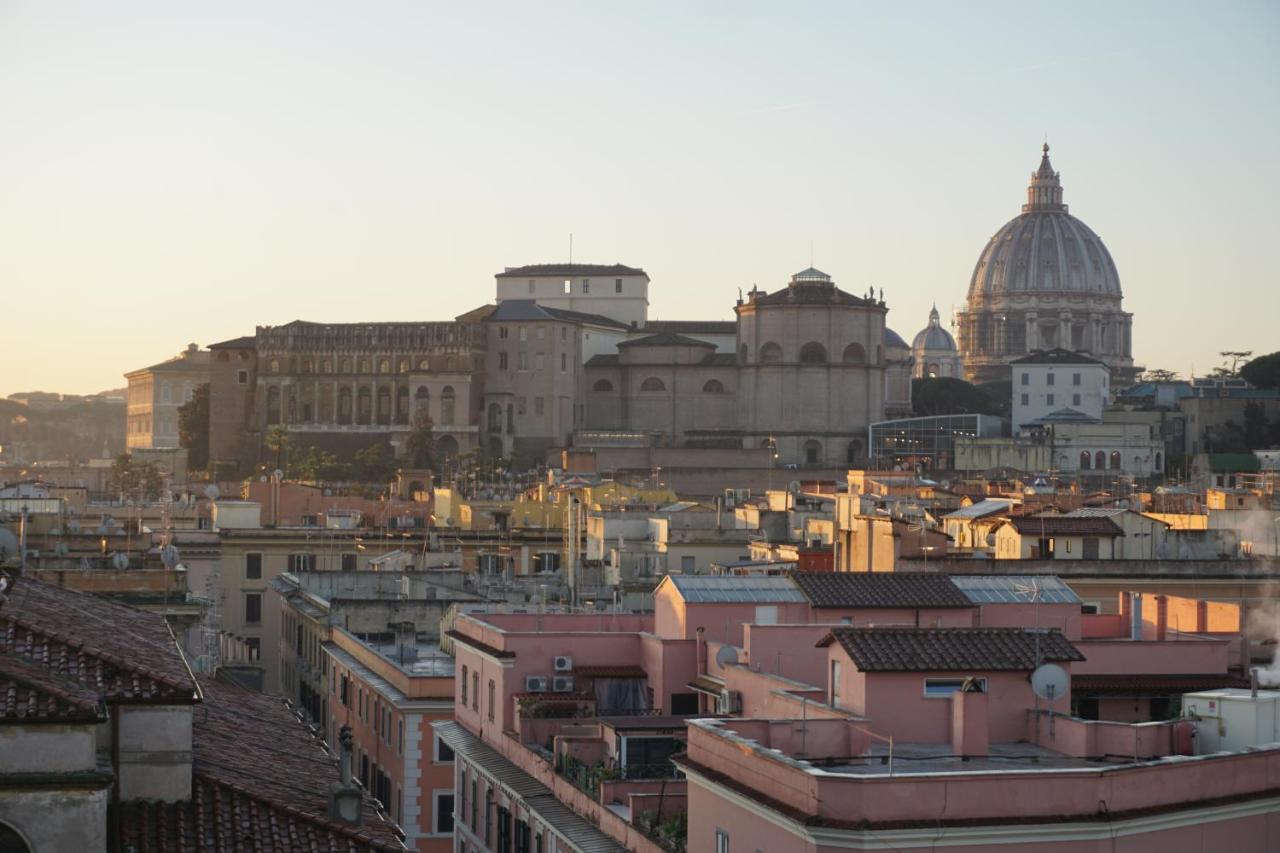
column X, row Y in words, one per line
column 181, row 172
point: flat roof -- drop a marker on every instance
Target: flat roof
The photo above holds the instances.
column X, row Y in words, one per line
column 735, row 589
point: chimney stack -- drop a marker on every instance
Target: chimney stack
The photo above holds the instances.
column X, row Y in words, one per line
column 344, row 795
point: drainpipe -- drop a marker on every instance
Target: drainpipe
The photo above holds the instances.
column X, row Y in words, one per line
column 701, row 651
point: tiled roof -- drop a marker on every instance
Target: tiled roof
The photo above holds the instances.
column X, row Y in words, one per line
column 32, row 694
column 261, row 781
column 569, row 270
column 951, row 649
column 665, row 339
column 1055, row 356
column 117, row 652
column 734, row 589
column 879, row 589
column 1064, row 525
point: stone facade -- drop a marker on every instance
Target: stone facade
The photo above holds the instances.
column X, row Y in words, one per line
column 156, row 393
column 1044, row 280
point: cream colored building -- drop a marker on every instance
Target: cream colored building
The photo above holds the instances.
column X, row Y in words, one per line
column 157, row 392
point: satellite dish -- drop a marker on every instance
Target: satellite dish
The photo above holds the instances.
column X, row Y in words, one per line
column 73, row 525
column 278, row 474
column 60, row 549
column 262, row 479
column 449, row 522
column 211, row 492
column 1050, row 682
column 794, row 487
column 169, row 556
column 726, row 656
column 120, row 560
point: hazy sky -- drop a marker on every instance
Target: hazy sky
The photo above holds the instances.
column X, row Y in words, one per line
column 174, row 172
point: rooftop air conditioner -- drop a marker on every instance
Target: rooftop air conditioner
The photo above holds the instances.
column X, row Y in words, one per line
column 562, row 684
column 535, row 684
column 563, row 663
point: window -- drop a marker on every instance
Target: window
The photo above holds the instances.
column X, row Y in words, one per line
column 522, row 361
column 713, row 386
column 531, row 285
column 242, row 377
column 463, row 688
column 542, row 333
column 1026, row 378
column 835, row 683
column 522, row 836
column 253, row 645
column 813, row 353
column 349, row 562
column 617, row 285
column 475, row 800
column 568, row 286
column 400, row 737
column 1026, row 399
column 1075, row 399
column 942, row 687
column 770, row 353
column 1089, row 550
column 1115, row 460
column 502, row 360
column 521, row 405
column 502, row 330
column 722, row 841
column 602, row 386
column 301, row 562
column 1075, row 379
column 564, row 333
column 538, row 405
column 1084, row 460
column 524, row 333
column 539, row 361
column 1049, row 379
column 344, row 691
column 253, row 567
column 653, row 383
column 1048, row 399
column 564, row 363
column 443, row 753
column 442, row 813
column 586, row 285
column 253, row 608
column 1100, row 460
column 492, row 699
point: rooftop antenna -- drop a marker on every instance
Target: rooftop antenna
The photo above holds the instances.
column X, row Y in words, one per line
column 570, row 247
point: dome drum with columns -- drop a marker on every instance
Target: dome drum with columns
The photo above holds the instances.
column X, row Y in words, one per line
column 934, row 351
column 1044, row 280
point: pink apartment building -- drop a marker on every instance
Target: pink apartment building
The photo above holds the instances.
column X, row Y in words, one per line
column 390, row 697
column 850, row 711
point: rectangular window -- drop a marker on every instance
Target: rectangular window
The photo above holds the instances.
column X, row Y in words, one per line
column 538, row 404
column 253, row 608
column 253, row 646
column 301, row 562
column 617, row 285
column 1049, row 379
column 475, row 691
column 502, row 360
column 349, row 562
column 722, row 841
column 523, row 836
column 564, row 363
column 586, row 285
column 1026, row 399
column 493, row 700
column 475, row 802
column 542, row 333
column 442, row 814
column 242, row 377
column 1075, row 379
column 1090, row 548
column 943, row 687
column 520, row 405
column 539, row 361
column 253, row 567
column 1075, row 399
column 1048, row 399
column 522, row 362
column 444, row 752
column 1026, row 378
column 400, row 738
column 463, row 687
column 524, row 333
column 504, row 830
column 502, row 330
column 835, row 683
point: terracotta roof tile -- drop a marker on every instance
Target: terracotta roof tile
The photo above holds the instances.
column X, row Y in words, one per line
column 32, row 694
column 879, row 589
column 951, row 649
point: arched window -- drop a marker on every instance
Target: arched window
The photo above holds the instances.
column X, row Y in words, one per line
column 1100, row 461
column 446, row 448
column 653, row 383
column 344, row 366
column 446, row 405
column 812, row 452
column 384, row 365
column 602, row 386
column 813, row 353
column 854, row 354
column 402, row 405
column 344, row 405
column 854, row 453
column 1115, row 460
column 770, row 353
column 364, row 407
column 1084, row 460
column 403, row 367
column 11, row 841
column 713, row 386
column 275, row 365
column 744, row 354
column 384, row 406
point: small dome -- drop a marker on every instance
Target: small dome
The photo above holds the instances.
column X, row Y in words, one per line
column 933, row 336
column 893, row 339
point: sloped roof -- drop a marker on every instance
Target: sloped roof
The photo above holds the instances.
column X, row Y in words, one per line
column 665, row 339
column 1067, row 415
column 732, row 589
column 529, row 311
column 879, row 589
column 969, row 650
column 32, row 694
column 243, row 342
column 1064, row 525
column 1058, row 355
column 119, row 652
column 692, row 327
column 570, row 270
column 1015, row 589
column 982, row 509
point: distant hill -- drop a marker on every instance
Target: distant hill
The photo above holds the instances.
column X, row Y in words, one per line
column 67, row 429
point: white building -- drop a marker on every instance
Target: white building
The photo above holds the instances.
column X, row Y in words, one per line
column 1060, row 383
column 615, row 291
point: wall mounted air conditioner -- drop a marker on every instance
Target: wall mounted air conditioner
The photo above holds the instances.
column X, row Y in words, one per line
column 563, row 663
column 562, row 684
column 535, row 684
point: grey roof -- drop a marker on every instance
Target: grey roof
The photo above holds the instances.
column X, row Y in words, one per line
column 893, row 339
column 536, row 270
column 692, row 327
column 1015, row 589
column 811, row 274
column 581, row 834
column 981, row 509
column 527, row 310
column 702, row 589
column 879, row 589
column 1057, row 355
column 1067, row 415
column 969, row 650
column 665, row 339
column 604, row 359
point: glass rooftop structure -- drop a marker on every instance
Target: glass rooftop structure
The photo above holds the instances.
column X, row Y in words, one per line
column 928, row 442
column 748, row 589
column 1015, row 589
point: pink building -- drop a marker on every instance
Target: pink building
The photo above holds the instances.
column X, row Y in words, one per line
column 823, row 711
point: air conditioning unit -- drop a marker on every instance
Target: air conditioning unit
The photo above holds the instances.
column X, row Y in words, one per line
column 563, row 663
column 535, row 684
column 562, row 684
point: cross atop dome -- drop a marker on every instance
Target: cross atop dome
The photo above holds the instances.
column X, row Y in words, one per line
column 1045, row 190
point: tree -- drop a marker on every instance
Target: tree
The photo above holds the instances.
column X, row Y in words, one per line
column 133, row 481
column 1231, row 362
column 278, row 441
column 318, row 465
column 1159, row 375
column 420, row 446
column 1263, row 371
column 375, row 464
column 193, row 428
column 945, row 395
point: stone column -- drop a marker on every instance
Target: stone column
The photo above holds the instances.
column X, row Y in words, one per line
column 1033, row 332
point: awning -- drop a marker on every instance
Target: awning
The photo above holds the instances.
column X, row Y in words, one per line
column 1154, row 683
column 709, row 686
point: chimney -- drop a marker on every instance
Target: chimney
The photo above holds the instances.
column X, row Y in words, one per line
column 1253, row 682
column 344, row 795
column 700, row 651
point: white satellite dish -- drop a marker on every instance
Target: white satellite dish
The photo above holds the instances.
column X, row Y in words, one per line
column 1050, row 682
column 211, row 492
column 278, row 474
column 727, row 656
column 169, row 556
column 73, row 525
column 120, row 560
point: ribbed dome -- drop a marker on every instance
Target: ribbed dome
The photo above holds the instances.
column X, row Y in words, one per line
column 893, row 339
column 933, row 336
column 1045, row 249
